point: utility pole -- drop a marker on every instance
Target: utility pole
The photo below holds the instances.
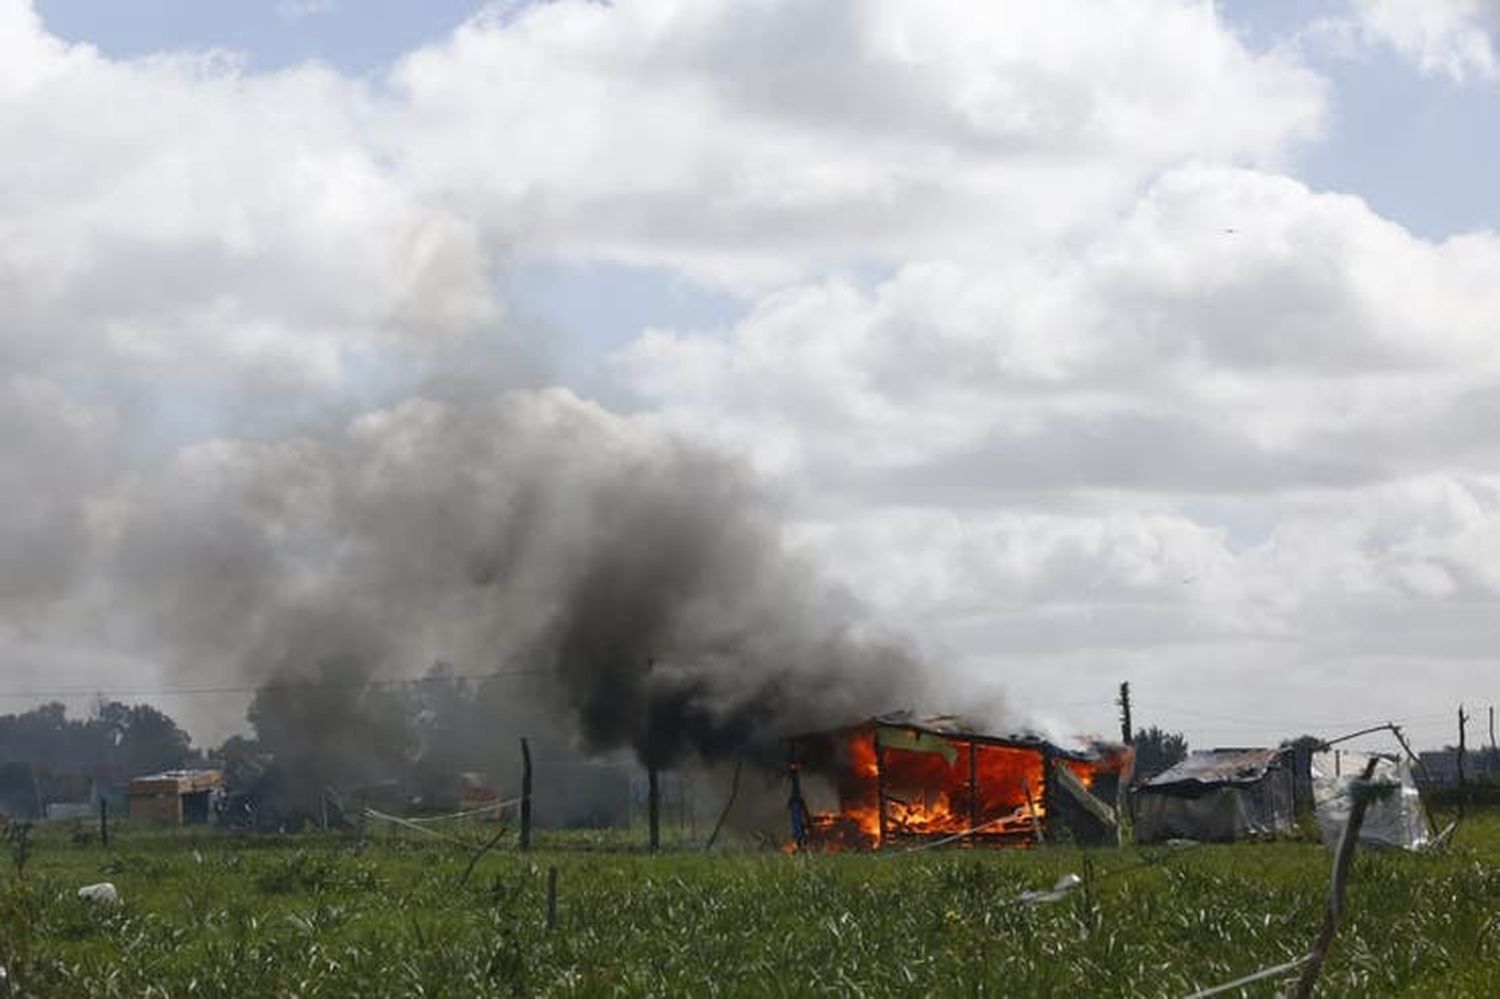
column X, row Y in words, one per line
column 1122, row 790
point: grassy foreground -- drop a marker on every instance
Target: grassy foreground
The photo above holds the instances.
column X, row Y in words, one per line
column 318, row 916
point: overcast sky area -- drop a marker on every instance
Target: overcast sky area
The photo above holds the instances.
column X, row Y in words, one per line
column 1145, row 340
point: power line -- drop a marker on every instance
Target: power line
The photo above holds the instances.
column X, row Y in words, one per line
column 296, row 684
column 1263, row 720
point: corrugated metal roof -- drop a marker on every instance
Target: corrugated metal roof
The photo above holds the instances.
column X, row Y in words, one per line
column 940, row 724
column 1220, row 766
column 178, row 781
column 962, row 730
column 178, row 775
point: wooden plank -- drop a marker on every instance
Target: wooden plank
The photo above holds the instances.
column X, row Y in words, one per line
column 1069, row 782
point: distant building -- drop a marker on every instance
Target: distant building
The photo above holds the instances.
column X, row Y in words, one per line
column 1439, row 767
column 175, row 797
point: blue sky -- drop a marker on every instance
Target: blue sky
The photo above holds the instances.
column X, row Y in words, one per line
column 360, row 37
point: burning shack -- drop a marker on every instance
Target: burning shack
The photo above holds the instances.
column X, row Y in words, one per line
column 175, row 797
column 900, row 778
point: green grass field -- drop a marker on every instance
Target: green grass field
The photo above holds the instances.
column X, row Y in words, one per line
column 221, row 915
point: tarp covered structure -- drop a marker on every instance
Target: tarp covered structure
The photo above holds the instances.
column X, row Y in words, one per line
column 905, row 778
column 1397, row 819
column 1219, row 795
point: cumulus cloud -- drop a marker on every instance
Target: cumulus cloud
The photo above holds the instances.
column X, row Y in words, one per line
column 1231, row 331
column 1447, row 38
column 753, row 143
column 176, row 215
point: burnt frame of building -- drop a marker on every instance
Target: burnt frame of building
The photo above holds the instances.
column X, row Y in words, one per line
column 991, row 790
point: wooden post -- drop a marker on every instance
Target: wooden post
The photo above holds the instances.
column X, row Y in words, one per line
column 1127, row 732
column 36, row 792
column 653, row 806
column 1463, row 790
column 1419, row 766
column 1046, row 795
column 973, row 786
column 552, row 898
column 734, row 789
column 879, row 785
column 103, row 821
column 1091, row 913
column 525, row 796
column 1036, row 820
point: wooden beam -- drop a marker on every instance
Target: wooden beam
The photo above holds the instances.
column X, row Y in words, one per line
column 1069, row 782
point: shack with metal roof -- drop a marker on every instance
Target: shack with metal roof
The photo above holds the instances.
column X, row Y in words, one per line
column 1219, row 795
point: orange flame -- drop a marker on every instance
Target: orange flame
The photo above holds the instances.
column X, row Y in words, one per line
column 933, row 787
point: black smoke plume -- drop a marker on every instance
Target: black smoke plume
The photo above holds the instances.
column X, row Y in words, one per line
column 639, row 588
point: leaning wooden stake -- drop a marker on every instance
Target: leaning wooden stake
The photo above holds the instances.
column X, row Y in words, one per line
column 525, row 796
column 1420, row 767
column 734, row 789
column 104, row 822
column 1361, row 794
column 551, row 898
column 484, row 848
column 1065, row 780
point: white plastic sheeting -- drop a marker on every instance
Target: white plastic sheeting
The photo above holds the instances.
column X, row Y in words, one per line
column 1396, row 820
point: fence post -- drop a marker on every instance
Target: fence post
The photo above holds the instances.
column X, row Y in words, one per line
column 653, row 806
column 1463, row 787
column 525, row 796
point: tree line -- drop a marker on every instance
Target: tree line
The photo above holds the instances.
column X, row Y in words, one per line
column 328, row 729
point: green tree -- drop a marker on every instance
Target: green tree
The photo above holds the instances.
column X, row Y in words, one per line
column 144, row 740
column 1157, row 750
